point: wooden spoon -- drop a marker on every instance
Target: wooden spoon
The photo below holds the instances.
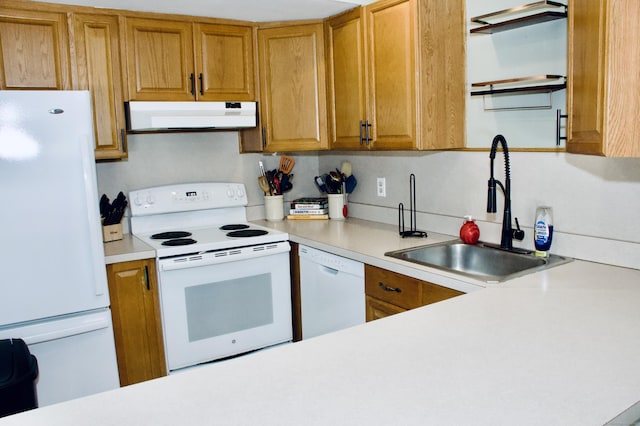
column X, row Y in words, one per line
column 264, row 185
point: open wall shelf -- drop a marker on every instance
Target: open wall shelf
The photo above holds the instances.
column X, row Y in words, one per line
column 529, row 14
column 525, row 85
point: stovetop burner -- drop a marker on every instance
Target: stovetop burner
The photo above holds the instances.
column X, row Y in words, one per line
column 202, row 217
column 170, row 235
column 179, row 242
column 247, row 233
column 234, row 226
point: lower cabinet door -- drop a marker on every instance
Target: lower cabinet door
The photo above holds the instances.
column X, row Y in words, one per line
column 137, row 328
column 377, row 309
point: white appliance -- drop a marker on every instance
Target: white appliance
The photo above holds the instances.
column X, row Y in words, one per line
column 53, row 291
column 177, row 116
column 331, row 292
column 225, row 286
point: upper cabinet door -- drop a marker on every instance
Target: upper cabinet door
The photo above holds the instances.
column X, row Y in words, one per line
column 292, row 86
column 224, row 62
column 391, row 56
column 397, row 76
column 34, row 50
column 160, row 60
column 97, row 42
column 603, row 82
column 442, row 74
column 346, row 82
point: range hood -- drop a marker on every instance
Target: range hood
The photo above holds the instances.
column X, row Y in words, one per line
column 189, row 116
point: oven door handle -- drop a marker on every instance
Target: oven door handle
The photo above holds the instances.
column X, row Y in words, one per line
column 222, row 256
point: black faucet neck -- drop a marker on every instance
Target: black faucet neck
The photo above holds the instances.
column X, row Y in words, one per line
column 507, row 230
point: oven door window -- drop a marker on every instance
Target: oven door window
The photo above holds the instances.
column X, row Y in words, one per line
column 214, row 311
column 229, row 306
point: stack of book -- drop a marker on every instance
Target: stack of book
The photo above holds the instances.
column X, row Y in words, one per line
column 309, row 208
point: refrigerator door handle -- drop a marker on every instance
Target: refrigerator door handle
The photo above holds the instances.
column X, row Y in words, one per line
column 47, row 334
column 88, row 166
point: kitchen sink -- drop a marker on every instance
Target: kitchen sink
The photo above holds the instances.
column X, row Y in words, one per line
column 482, row 261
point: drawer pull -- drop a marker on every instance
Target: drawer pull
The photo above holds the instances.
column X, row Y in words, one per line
column 387, row 288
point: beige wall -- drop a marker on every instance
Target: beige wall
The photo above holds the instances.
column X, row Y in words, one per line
column 596, row 200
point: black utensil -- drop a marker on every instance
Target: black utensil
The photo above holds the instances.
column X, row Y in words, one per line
column 319, row 181
column 104, row 205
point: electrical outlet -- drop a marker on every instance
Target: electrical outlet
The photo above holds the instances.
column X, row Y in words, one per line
column 381, row 185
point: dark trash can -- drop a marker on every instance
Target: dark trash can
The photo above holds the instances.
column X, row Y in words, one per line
column 18, row 373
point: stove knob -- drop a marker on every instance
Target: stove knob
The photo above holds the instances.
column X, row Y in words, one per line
column 229, row 192
column 137, row 200
column 239, row 191
column 150, row 199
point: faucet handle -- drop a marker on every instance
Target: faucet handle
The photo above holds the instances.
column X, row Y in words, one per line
column 518, row 233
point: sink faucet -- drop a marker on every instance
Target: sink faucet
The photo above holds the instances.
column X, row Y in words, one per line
column 508, row 233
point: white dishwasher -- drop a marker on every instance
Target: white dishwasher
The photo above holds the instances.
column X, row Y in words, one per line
column 331, row 292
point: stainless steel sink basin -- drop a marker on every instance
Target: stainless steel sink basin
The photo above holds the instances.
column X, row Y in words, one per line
column 481, row 261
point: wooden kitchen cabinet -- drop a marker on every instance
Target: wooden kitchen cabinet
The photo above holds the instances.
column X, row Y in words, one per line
column 34, row 50
column 135, row 309
column 346, row 81
column 224, row 62
column 603, row 82
column 389, row 293
column 172, row 60
column 397, row 76
column 292, row 87
column 97, row 67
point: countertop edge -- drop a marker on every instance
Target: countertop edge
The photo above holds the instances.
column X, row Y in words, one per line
column 128, row 249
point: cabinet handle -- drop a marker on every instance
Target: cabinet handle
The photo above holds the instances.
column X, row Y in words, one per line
column 123, row 138
column 387, row 288
column 264, row 138
column 559, row 116
column 146, row 277
column 201, row 85
column 193, row 84
column 366, row 133
column 361, row 126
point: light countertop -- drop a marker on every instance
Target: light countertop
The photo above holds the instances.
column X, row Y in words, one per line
column 127, row 249
column 560, row 347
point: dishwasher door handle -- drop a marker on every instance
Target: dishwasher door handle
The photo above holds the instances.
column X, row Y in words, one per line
column 329, row 270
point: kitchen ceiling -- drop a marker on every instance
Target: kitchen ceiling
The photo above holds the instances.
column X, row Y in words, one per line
column 248, row 10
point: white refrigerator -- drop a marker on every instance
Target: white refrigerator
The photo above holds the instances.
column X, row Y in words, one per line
column 53, row 286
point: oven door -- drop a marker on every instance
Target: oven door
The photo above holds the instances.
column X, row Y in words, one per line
column 212, row 311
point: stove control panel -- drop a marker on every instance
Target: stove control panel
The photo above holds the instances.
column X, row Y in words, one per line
column 187, row 197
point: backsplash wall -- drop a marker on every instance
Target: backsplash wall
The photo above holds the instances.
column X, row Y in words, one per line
column 170, row 158
column 595, row 200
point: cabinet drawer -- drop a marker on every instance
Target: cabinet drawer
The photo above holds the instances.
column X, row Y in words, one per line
column 393, row 288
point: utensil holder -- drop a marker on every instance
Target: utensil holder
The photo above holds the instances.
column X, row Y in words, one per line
column 273, row 207
column 336, row 206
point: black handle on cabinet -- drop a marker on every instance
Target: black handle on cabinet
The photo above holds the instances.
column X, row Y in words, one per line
column 193, row 84
column 387, row 288
column 361, row 126
column 366, row 133
column 201, row 85
column 559, row 116
column 123, row 138
column 264, row 138
column 146, row 277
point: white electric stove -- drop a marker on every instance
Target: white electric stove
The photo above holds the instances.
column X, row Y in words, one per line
column 224, row 283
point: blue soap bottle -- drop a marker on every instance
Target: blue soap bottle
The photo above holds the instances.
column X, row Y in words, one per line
column 543, row 230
